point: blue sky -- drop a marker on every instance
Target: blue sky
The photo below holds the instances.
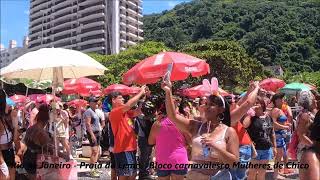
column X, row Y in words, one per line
column 14, row 16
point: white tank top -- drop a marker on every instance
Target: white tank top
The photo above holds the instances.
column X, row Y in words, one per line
column 197, row 148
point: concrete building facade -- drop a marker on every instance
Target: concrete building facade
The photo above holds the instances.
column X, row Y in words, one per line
column 7, row 55
column 101, row 26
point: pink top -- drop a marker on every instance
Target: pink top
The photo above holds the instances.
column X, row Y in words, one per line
column 170, row 146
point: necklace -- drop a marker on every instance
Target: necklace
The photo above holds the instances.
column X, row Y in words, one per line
column 212, row 126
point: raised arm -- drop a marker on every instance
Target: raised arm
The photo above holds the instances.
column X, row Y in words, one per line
column 246, row 122
column 181, row 122
column 245, row 97
column 134, row 100
column 243, row 108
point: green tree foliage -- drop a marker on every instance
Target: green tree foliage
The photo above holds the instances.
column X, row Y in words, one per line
column 120, row 63
column 282, row 32
column 228, row 62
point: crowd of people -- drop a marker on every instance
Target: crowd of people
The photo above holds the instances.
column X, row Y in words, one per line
column 170, row 136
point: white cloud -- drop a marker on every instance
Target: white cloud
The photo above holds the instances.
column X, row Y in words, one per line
column 172, row 4
column 26, row 12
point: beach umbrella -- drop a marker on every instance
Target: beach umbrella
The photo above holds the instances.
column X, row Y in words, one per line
column 272, row 84
column 200, row 91
column 19, row 98
column 52, row 64
column 152, row 69
column 295, row 87
column 123, row 89
column 82, row 86
column 47, row 98
column 78, row 102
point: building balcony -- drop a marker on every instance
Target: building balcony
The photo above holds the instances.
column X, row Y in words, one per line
column 40, row 7
column 131, row 19
column 39, row 33
column 123, row 15
column 139, row 1
column 122, row 23
column 41, row 18
column 69, row 31
column 61, row 41
column 64, row 17
column 91, row 41
column 132, row 27
column 140, row 38
column 36, row 40
column 38, row 27
column 132, row 35
column 70, row 46
column 34, row 2
column 35, row 47
column 61, row 11
column 94, row 49
column 35, row 14
column 140, row 22
column 92, row 8
column 130, row 11
column 90, row 33
column 92, row 24
column 132, row 4
column 122, row 7
column 67, row 23
column 123, row 40
column 92, row 16
column 85, row 3
column 63, row 3
column 131, row 43
column 123, row 32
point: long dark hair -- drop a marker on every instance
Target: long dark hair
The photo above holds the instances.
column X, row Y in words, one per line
column 43, row 114
column 182, row 105
column 226, row 114
column 3, row 103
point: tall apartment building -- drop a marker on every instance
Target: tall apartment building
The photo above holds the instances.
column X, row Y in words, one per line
column 7, row 55
column 102, row 26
